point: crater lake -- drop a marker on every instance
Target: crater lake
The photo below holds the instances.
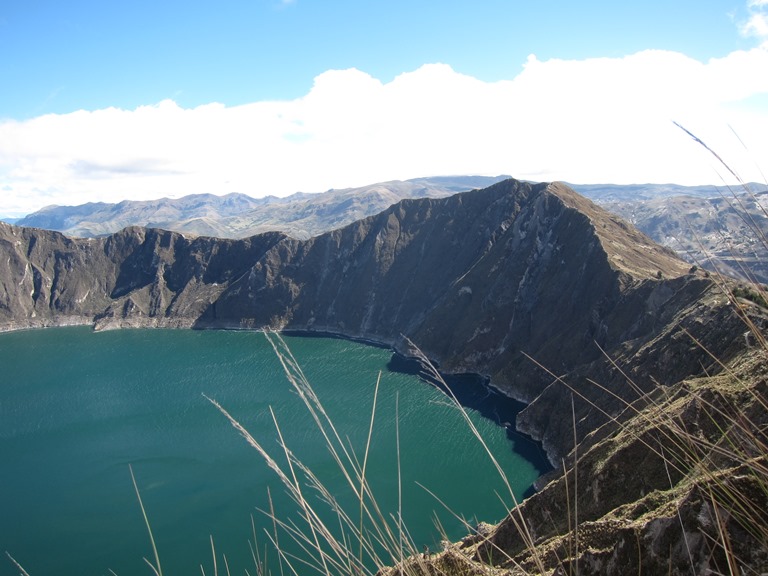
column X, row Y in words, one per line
column 78, row 407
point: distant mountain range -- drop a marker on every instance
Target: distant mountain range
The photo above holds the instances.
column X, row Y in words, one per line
column 300, row 215
column 712, row 227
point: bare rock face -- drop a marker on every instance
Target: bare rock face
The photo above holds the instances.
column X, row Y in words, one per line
column 492, row 281
column 560, row 303
column 137, row 277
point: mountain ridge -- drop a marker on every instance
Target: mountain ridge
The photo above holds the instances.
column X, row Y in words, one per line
column 708, row 226
column 722, row 231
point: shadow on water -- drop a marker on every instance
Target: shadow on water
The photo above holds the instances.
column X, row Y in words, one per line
column 475, row 392
column 472, row 391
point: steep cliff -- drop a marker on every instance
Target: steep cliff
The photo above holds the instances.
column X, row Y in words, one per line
column 135, row 277
column 560, row 303
column 482, row 281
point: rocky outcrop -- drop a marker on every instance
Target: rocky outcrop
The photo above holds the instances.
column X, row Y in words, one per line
column 560, row 303
column 677, row 488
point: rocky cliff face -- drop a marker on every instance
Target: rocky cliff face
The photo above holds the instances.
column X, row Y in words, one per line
column 136, row 277
column 482, row 281
column 524, row 283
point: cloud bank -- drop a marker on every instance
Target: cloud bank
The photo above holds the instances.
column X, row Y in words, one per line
column 588, row 121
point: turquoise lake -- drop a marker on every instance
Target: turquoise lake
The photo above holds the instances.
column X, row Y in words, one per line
column 77, row 407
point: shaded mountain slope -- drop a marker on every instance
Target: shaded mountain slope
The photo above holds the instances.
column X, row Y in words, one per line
column 163, row 278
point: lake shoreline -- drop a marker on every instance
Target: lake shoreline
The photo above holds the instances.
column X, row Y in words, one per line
column 471, row 389
column 464, row 385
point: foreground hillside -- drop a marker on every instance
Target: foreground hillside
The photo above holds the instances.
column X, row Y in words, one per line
column 610, row 339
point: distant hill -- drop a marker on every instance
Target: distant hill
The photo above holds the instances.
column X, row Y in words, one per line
column 716, row 228
column 602, row 193
column 301, row 215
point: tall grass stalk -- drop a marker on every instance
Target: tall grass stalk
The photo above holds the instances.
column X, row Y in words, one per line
column 156, row 568
column 365, row 461
column 756, row 230
column 354, row 545
column 744, row 439
column 575, row 532
column 515, row 515
column 15, row 563
column 399, row 478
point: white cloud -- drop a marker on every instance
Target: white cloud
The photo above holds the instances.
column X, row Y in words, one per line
column 596, row 120
column 756, row 25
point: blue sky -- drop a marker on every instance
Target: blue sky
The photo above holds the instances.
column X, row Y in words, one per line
column 106, row 101
column 65, row 56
